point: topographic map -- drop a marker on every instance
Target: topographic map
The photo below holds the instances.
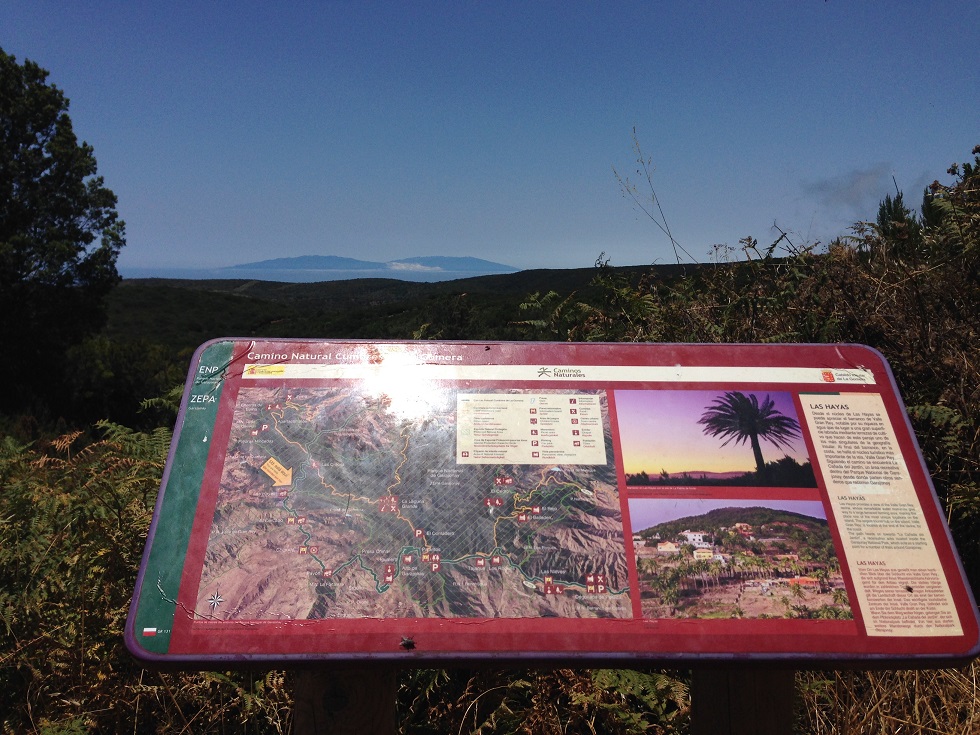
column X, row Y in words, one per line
column 345, row 503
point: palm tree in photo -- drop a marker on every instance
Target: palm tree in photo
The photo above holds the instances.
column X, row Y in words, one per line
column 738, row 417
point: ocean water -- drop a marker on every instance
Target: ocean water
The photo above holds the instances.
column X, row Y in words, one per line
column 300, row 276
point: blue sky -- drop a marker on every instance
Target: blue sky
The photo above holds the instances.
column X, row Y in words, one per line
column 235, row 132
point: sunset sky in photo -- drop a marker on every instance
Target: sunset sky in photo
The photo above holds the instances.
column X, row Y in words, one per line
column 659, row 431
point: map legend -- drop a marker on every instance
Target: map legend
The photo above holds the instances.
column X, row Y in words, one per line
column 530, row 428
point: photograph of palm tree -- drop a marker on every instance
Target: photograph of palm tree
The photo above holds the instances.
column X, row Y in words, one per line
column 736, row 559
column 712, row 438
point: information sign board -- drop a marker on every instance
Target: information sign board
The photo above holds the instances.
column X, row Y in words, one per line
column 440, row 502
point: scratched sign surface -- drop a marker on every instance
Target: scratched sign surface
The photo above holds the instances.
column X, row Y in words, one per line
column 540, row 502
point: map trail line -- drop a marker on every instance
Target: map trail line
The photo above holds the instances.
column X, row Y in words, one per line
column 513, row 540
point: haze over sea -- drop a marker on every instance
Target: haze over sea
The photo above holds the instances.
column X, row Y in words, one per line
column 316, row 268
column 300, row 275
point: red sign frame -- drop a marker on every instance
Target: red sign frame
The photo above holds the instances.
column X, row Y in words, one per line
column 888, row 539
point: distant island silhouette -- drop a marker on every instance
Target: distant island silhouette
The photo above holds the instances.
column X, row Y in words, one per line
column 435, row 263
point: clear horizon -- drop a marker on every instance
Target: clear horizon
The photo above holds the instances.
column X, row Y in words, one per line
column 285, row 270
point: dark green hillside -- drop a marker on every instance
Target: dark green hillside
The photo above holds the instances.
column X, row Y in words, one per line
column 181, row 314
column 370, row 292
column 155, row 324
column 180, row 318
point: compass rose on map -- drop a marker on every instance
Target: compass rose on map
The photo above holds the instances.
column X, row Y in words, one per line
column 215, row 600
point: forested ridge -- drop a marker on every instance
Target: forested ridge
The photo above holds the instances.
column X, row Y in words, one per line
column 80, row 466
column 728, row 517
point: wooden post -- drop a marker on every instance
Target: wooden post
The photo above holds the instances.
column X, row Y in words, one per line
column 751, row 701
column 345, row 702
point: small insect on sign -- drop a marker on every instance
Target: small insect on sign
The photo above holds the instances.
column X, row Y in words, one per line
column 430, row 502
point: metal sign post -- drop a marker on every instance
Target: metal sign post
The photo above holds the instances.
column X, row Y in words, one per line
column 741, row 701
column 348, row 503
column 348, row 702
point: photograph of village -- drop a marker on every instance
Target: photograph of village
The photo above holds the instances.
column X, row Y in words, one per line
column 736, row 559
column 683, row 438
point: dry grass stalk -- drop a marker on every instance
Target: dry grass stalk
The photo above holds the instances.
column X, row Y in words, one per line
column 905, row 702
